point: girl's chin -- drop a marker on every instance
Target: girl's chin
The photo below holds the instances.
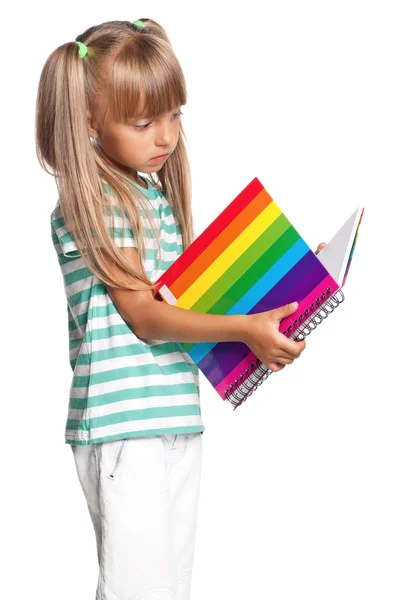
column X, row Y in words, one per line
column 152, row 169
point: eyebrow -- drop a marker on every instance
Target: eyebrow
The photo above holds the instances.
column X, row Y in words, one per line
column 146, row 116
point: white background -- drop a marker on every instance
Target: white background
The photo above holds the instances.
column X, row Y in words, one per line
column 299, row 489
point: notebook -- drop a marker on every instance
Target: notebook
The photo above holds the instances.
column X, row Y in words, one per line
column 251, row 259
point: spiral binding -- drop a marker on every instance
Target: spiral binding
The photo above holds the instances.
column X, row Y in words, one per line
column 301, row 328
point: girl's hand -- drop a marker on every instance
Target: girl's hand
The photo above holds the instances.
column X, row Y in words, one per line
column 266, row 341
column 263, row 337
column 320, row 247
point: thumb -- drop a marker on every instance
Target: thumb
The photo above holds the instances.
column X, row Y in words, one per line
column 285, row 311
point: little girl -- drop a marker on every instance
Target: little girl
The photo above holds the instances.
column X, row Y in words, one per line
column 109, row 108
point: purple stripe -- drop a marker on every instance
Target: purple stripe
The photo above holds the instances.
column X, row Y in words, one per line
column 295, row 286
column 220, row 361
column 300, row 280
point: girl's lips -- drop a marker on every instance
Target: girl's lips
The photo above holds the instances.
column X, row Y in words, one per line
column 163, row 157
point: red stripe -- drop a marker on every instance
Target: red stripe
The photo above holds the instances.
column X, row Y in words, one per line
column 230, row 213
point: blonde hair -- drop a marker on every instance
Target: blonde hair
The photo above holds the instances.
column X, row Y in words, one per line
column 123, row 67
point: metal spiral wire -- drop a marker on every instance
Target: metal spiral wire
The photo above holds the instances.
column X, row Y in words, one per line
column 239, row 391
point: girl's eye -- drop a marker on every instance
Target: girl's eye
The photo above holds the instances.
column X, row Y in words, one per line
column 147, row 124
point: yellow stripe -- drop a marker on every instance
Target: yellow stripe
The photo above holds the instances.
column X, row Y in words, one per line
column 229, row 256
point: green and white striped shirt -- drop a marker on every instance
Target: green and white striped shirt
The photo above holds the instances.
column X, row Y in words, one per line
column 121, row 386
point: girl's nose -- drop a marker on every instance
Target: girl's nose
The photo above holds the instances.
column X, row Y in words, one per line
column 165, row 136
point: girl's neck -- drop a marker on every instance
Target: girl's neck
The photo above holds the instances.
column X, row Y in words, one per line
column 140, row 181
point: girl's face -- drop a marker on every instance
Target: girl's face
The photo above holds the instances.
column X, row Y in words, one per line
column 131, row 147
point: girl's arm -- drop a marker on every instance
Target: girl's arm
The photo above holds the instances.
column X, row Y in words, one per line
column 151, row 319
column 161, row 321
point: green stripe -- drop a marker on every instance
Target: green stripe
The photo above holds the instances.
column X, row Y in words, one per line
column 80, row 297
column 66, row 238
column 110, row 331
column 75, row 343
column 58, row 223
column 167, row 211
column 130, row 371
column 170, row 246
column 98, row 312
column 131, row 350
column 55, row 238
column 87, row 358
column 132, row 393
column 77, row 275
column 151, row 254
column 169, row 228
column 72, row 325
column 125, row 350
column 185, row 410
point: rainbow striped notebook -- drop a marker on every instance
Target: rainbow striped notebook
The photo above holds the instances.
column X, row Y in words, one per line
column 251, row 259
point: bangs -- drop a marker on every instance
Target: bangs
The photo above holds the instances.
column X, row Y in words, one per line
column 145, row 80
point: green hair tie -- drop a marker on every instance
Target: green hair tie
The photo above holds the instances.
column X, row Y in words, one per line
column 139, row 23
column 82, row 49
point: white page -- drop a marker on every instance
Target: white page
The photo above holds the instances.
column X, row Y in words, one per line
column 336, row 254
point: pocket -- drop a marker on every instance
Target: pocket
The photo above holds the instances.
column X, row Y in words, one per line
column 119, row 445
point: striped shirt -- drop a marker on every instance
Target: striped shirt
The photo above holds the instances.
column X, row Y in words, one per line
column 123, row 387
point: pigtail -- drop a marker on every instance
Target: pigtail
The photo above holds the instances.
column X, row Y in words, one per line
column 63, row 144
column 106, row 77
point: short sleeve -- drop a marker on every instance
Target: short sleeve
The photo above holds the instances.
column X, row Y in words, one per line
column 119, row 229
column 61, row 236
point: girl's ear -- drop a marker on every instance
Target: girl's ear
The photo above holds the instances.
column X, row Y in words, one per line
column 93, row 133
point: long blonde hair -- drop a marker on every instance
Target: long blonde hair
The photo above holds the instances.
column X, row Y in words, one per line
column 123, row 67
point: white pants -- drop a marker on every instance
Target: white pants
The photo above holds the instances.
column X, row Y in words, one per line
column 142, row 495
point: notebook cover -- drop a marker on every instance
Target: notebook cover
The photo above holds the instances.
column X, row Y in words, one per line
column 250, row 259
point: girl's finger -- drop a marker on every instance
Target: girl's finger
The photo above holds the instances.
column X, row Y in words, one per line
column 275, row 366
column 283, row 360
column 283, row 354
